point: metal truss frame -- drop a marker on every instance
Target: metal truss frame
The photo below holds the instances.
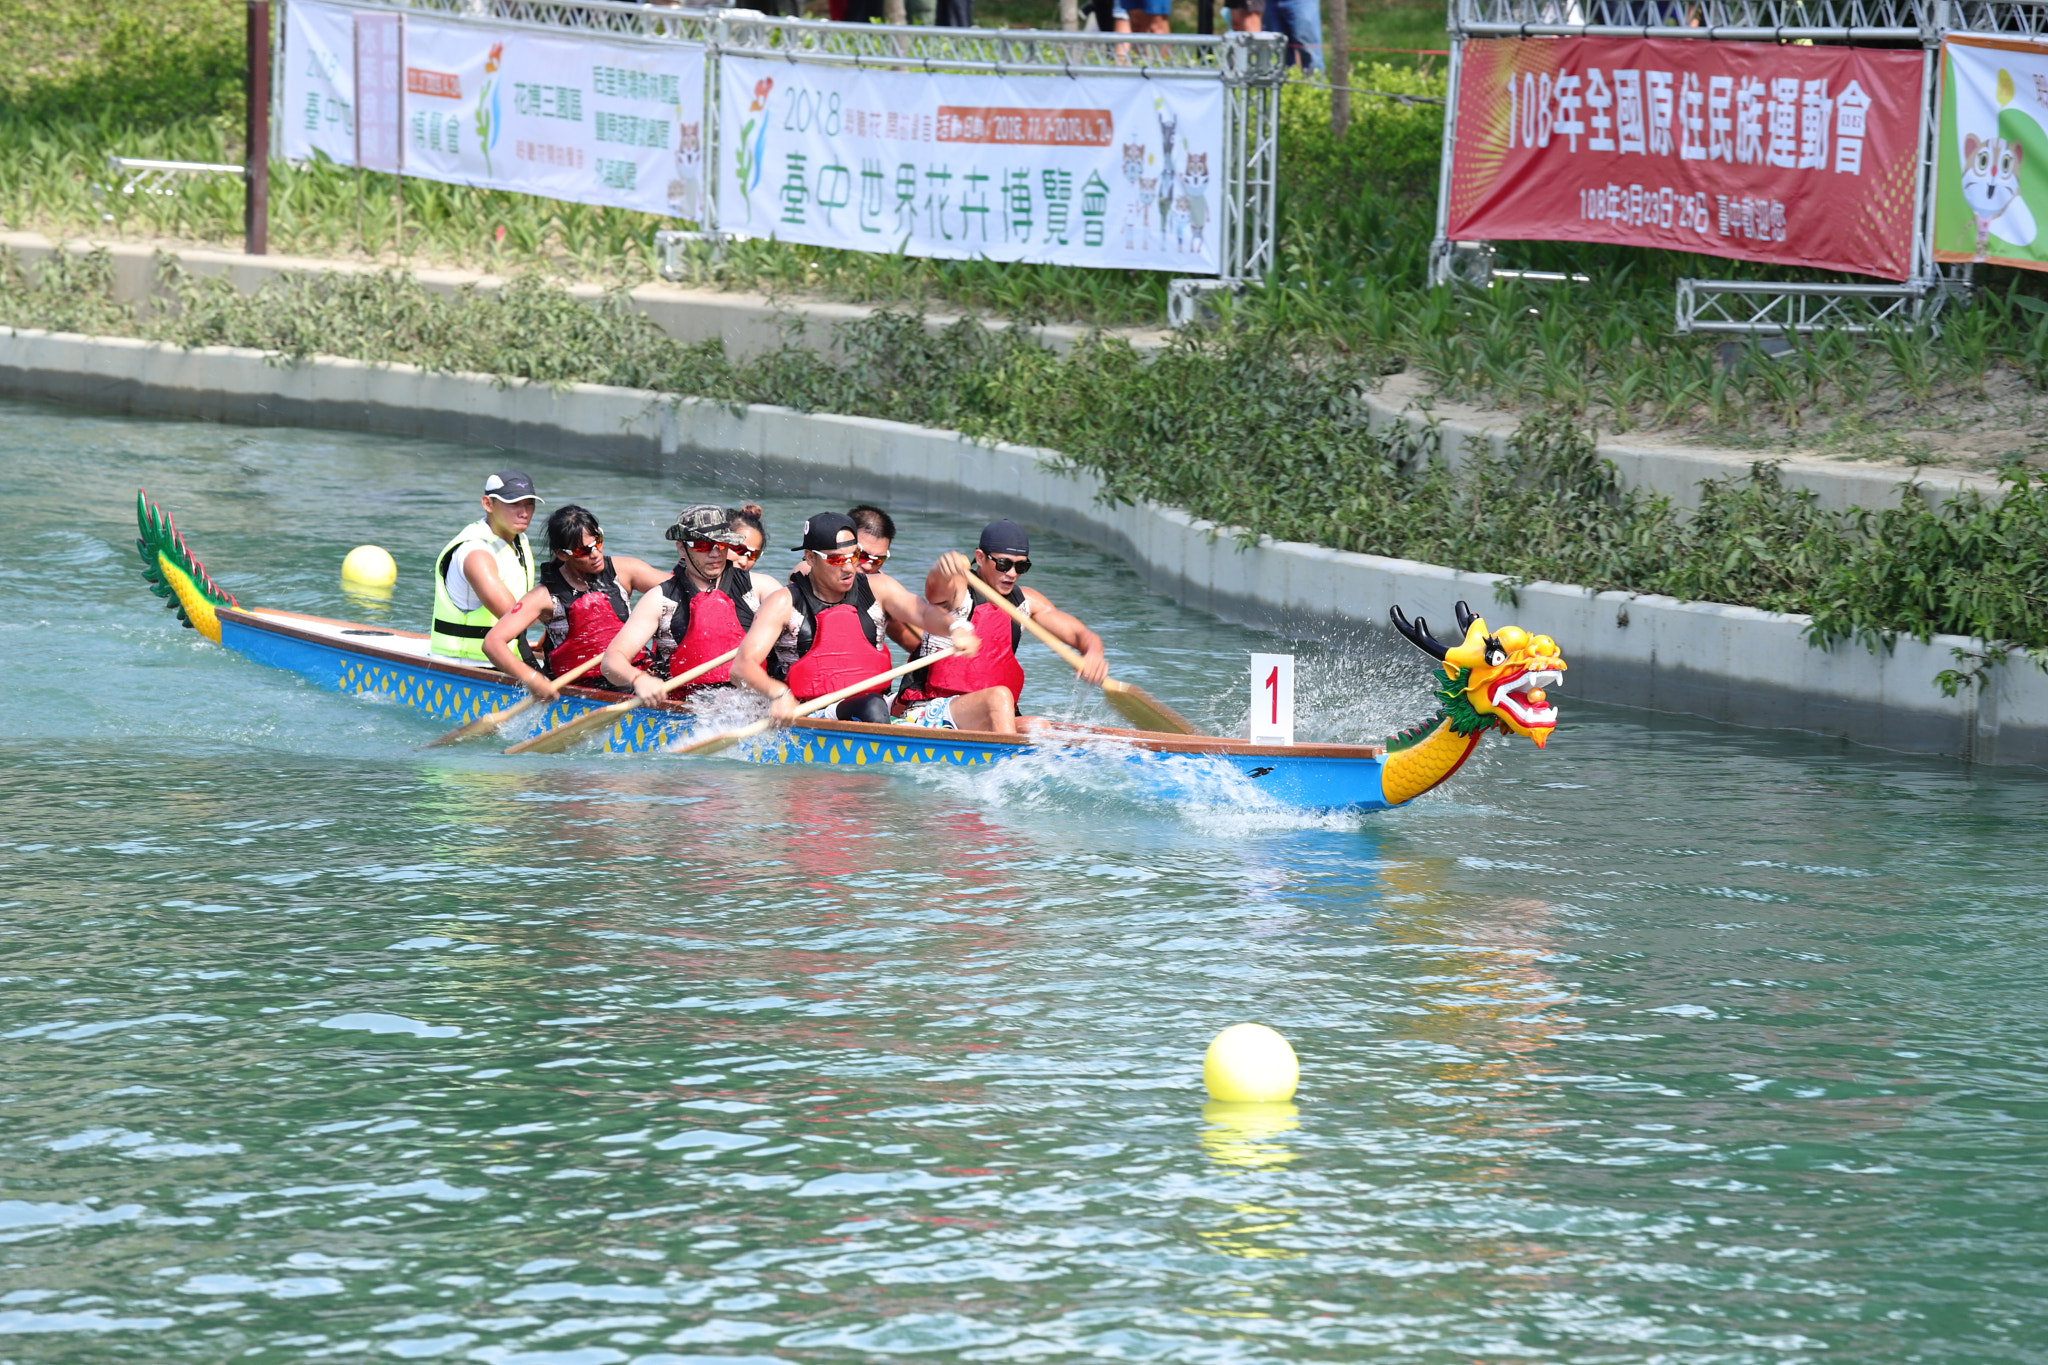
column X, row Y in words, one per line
column 618, row 19
column 140, row 174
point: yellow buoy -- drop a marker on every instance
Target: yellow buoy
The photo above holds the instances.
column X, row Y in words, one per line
column 1250, row 1064
column 368, row 566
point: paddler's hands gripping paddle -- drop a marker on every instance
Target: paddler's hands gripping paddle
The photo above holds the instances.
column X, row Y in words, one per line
column 720, row 742
column 484, row 725
column 1134, row 704
column 562, row 736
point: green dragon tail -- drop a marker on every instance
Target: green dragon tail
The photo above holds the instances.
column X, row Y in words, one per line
column 175, row 574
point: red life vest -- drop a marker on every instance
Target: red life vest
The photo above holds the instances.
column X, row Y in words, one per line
column 584, row 622
column 705, row 624
column 995, row 665
column 838, row 644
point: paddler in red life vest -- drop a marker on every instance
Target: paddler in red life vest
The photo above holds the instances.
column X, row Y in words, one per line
column 581, row 600
column 982, row 693
column 700, row 611
column 827, row 631
column 482, row 573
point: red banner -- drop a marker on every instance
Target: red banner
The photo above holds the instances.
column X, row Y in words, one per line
column 1799, row 155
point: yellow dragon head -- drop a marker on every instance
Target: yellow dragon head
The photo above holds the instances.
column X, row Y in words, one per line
column 1494, row 678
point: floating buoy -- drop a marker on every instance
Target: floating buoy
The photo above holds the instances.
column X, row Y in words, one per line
column 1250, row 1064
column 368, row 566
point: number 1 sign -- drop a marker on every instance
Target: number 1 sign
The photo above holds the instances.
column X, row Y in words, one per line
column 1272, row 699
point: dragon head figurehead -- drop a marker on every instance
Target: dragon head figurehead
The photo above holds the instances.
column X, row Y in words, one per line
column 1494, row 677
column 1491, row 680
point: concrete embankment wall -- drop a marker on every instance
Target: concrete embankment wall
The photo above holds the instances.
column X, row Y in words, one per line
column 1726, row 663
column 749, row 324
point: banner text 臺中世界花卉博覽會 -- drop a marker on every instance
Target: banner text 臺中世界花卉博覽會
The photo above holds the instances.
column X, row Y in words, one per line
column 1101, row 171
column 1798, row 155
column 1991, row 153
column 575, row 117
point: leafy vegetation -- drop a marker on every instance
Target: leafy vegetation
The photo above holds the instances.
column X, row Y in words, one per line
column 1290, row 456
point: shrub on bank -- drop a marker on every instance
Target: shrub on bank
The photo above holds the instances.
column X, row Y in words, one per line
column 1289, row 456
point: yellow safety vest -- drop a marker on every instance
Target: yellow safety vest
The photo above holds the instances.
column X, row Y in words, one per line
column 458, row 634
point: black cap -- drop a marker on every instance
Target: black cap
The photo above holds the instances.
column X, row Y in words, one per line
column 1005, row 537
column 509, row 485
column 822, row 532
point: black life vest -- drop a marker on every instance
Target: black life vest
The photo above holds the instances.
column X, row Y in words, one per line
column 705, row 624
column 837, row 643
column 584, row 620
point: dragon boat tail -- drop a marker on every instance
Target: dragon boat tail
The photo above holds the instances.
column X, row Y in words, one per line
column 1491, row 681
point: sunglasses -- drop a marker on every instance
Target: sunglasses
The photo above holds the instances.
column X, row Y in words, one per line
column 742, row 552
column 705, row 547
column 838, row 561
column 873, row 561
column 595, row 547
column 1004, row 564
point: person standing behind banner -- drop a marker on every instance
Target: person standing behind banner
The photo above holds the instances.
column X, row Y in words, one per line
column 954, row 14
column 1247, row 16
column 1301, row 22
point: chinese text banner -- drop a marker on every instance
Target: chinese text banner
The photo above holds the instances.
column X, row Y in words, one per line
column 1799, row 155
column 1073, row 171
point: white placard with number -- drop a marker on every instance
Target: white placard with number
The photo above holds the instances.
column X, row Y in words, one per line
column 1272, row 699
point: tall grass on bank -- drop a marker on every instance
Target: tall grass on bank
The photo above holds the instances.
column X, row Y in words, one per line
column 1290, row 456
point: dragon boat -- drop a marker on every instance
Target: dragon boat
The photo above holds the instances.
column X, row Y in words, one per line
column 1490, row 681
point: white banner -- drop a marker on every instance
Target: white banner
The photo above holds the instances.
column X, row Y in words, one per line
column 575, row 118
column 318, row 63
column 1092, row 171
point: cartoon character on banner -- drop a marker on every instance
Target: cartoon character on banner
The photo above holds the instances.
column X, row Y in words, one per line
column 1138, row 212
column 1992, row 158
column 686, row 191
column 1169, row 176
column 1196, row 179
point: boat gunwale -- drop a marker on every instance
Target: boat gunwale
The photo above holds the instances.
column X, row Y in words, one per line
column 1046, row 733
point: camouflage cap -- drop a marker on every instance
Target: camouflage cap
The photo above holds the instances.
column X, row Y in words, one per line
column 704, row 521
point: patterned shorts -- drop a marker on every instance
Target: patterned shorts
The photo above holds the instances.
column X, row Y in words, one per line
column 936, row 714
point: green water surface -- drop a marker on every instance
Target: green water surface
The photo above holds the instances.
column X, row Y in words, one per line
column 1670, row 1043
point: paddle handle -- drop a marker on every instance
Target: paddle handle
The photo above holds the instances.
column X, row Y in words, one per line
column 1050, row 640
column 869, row 684
column 712, row 744
column 620, row 708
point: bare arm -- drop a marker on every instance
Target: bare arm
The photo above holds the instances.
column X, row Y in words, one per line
column 481, row 570
column 946, row 583
column 1070, row 631
column 499, row 649
column 636, row 575
column 927, row 616
column 750, row 668
column 640, row 626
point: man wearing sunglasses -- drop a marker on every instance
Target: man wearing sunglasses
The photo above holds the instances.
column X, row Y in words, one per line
column 580, row 599
column 982, row 693
column 701, row 611
column 826, row 632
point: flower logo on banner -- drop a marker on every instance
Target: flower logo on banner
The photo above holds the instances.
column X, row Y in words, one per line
column 752, row 142
column 489, row 122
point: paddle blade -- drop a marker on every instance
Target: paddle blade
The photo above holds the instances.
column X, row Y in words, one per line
column 482, row 725
column 562, row 736
column 719, row 743
column 1145, row 711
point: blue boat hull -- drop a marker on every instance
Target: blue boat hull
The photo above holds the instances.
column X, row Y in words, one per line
column 368, row 662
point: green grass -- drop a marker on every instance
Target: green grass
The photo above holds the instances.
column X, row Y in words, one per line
column 1289, row 455
column 1356, row 216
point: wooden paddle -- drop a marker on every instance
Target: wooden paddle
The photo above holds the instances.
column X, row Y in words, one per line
column 1134, row 704
column 483, row 725
column 720, row 742
column 562, row 736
